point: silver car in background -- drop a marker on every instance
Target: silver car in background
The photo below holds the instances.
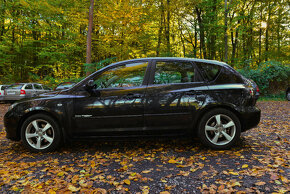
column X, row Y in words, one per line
column 2, row 88
column 24, row 90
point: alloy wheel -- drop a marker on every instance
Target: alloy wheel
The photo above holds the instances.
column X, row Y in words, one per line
column 220, row 129
column 39, row 134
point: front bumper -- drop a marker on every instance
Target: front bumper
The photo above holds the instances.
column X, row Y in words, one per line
column 250, row 118
column 11, row 126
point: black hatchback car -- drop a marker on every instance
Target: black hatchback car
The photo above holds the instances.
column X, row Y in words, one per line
column 141, row 97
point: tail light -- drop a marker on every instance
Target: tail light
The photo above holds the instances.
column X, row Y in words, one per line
column 257, row 89
column 0, row 93
column 22, row 92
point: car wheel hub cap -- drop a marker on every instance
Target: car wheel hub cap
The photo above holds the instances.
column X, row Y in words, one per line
column 39, row 134
column 220, row 129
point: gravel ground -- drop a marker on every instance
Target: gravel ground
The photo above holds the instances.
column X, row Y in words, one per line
column 258, row 163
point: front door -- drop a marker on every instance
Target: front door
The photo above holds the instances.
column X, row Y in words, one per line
column 117, row 105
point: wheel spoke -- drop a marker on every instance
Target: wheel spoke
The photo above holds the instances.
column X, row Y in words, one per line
column 47, row 126
column 209, row 128
column 47, row 138
column 227, row 136
column 215, row 139
column 30, row 135
column 218, row 119
column 34, row 123
column 229, row 124
column 38, row 144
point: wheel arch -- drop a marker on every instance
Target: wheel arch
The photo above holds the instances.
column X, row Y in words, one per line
column 212, row 107
column 34, row 112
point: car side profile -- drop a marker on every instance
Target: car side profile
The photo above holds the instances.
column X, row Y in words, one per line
column 19, row 91
column 141, row 97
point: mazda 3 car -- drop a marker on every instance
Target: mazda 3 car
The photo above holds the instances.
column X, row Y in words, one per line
column 141, row 98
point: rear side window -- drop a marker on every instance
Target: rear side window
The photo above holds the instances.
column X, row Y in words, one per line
column 37, row 87
column 29, row 87
column 168, row 72
column 209, row 71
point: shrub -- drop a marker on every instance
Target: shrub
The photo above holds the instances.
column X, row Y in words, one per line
column 272, row 77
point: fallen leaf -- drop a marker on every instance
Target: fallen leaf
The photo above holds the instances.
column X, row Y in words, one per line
column 128, row 182
column 73, row 188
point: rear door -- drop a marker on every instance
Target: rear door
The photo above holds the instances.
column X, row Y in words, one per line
column 173, row 96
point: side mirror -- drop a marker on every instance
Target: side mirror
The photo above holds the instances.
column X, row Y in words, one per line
column 90, row 88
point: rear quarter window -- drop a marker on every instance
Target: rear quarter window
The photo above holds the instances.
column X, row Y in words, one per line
column 228, row 76
column 209, row 71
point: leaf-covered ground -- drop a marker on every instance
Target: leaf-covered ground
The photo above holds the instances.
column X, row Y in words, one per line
column 259, row 163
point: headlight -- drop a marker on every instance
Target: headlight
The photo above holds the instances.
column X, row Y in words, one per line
column 12, row 106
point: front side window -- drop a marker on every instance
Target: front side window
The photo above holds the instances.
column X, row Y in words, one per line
column 128, row 75
column 168, row 72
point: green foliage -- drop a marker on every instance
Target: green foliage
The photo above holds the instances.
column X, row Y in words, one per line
column 271, row 76
column 96, row 66
column 47, row 38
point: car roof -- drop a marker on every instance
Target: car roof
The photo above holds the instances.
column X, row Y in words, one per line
column 26, row 83
column 175, row 58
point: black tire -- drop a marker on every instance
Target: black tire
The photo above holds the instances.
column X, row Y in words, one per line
column 43, row 137
column 219, row 136
column 288, row 94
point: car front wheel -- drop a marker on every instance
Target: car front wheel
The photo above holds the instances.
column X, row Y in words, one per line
column 219, row 129
column 40, row 133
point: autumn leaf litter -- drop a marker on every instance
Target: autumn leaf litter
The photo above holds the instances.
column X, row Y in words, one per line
column 259, row 163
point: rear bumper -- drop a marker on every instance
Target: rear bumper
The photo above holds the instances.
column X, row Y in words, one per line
column 13, row 98
column 250, row 118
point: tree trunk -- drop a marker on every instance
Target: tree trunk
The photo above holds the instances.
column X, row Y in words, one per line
column 167, row 30
column 160, row 29
column 213, row 31
column 225, row 32
column 2, row 20
column 89, row 37
column 267, row 32
column 201, row 33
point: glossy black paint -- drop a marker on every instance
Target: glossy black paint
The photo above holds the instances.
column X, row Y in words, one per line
column 146, row 110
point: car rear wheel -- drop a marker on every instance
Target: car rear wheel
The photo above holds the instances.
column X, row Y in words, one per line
column 288, row 94
column 219, row 129
column 40, row 133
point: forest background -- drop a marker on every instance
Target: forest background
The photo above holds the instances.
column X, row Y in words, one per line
column 45, row 40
